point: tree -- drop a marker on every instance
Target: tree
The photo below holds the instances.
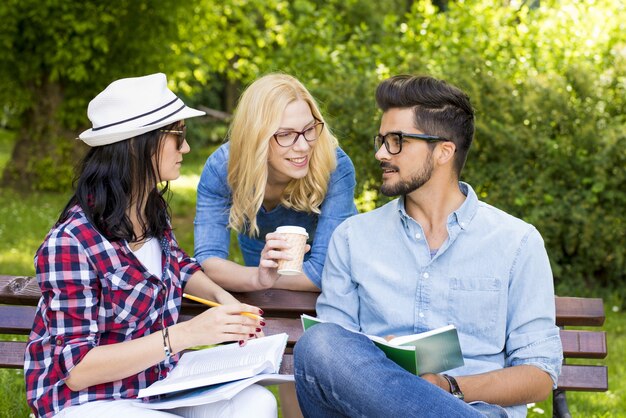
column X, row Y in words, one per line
column 56, row 56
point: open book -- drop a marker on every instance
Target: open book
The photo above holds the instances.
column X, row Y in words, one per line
column 224, row 363
column 432, row 351
column 213, row 393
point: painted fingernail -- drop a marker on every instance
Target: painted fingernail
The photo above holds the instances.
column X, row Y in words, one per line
column 251, row 335
column 241, row 343
column 262, row 323
column 260, row 311
column 258, row 330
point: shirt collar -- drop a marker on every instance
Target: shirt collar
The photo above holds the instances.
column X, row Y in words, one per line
column 461, row 217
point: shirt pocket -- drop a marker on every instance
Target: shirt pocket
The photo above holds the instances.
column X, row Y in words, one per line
column 130, row 297
column 475, row 305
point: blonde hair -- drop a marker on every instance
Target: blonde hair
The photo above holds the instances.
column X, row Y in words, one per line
column 257, row 117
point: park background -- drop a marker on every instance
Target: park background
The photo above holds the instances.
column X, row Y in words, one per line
column 547, row 79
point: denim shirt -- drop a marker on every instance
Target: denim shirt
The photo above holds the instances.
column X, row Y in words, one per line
column 491, row 278
column 212, row 235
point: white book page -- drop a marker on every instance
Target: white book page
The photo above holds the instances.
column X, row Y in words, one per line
column 396, row 342
column 308, row 321
column 216, row 393
column 221, row 364
column 414, row 337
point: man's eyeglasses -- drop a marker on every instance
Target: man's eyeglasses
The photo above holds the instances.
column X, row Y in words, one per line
column 393, row 140
column 310, row 134
column 181, row 135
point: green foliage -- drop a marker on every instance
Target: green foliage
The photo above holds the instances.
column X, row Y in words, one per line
column 81, row 45
column 548, row 86
column 56, row 56
column 13, row 393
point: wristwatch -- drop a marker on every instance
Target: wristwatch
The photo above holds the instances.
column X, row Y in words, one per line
column 455, row 390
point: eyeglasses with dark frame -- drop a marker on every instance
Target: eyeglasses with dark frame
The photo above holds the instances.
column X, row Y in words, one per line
column 181, row 135
column 393, row 140
column 310, row 134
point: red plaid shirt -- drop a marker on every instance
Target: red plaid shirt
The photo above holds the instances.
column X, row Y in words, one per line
column 96, row 292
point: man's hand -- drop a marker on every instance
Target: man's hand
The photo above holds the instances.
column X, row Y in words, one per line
column 437, row 380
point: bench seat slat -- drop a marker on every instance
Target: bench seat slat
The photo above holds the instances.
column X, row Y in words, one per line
column 583, row 378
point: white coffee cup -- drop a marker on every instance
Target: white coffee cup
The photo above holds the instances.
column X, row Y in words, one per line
column 296, row 236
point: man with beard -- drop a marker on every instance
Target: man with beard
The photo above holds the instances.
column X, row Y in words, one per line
column 434, row 256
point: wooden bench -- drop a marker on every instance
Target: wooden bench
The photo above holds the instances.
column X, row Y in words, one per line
column 282, row 309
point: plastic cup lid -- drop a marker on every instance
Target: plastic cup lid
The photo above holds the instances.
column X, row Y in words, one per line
column 291, row 229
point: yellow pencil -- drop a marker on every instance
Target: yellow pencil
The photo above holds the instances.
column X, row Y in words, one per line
column 215, row 304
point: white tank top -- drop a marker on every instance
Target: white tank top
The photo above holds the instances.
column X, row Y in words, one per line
column 150, row 256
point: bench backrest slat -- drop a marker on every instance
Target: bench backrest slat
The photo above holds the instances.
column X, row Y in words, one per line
column 19, row 297
column 579, row 311
column 584, row 344
column 16, row 319
column 584, row 378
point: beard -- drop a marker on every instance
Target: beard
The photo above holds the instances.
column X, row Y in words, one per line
column 404, row 187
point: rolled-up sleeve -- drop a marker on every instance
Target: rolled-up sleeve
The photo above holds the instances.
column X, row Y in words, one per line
column 211, row 232
column 337, row 206
column 70, row 289
column 339, row 300
column 532, row 336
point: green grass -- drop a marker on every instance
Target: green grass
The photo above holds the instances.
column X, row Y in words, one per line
column 26, row 218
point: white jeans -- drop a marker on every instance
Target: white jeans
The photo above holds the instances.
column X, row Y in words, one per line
column 253, row 401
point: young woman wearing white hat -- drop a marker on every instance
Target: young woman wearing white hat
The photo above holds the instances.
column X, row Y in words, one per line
column 112, row 274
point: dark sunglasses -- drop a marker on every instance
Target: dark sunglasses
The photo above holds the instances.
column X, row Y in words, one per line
column 181, row 135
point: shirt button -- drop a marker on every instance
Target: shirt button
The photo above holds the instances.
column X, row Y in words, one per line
column 59, row 342
column 163, row 291
column 418, row 236
column 426, row 275
column 156, row 370
column 421, row 314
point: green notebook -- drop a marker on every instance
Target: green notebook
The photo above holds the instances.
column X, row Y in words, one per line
column 432, row 351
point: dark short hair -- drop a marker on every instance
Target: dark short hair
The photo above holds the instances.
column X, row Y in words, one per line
column 112, row 177
column 440, row 109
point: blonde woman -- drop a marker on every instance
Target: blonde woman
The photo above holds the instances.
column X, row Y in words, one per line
column 281, row 166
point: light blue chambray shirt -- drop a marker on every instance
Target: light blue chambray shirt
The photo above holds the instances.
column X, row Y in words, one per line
column 212, row 235
column 491, row 279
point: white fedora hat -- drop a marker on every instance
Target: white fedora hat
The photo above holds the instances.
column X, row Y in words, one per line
column 132, row 106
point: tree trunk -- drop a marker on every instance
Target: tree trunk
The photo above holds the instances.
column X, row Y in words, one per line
column 45, row 151
column 231, row 94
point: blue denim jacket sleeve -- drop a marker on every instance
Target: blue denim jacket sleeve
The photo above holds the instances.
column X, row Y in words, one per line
column 211, row 232
column 533, row 338
column 337, row 206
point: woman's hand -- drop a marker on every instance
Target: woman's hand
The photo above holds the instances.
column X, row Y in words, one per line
column 221, row 324
column 275, row 250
